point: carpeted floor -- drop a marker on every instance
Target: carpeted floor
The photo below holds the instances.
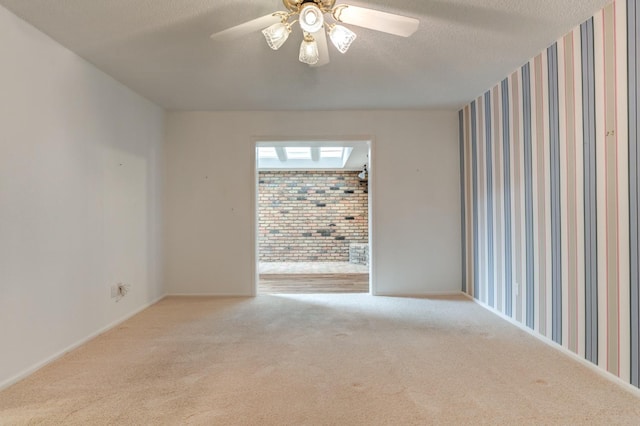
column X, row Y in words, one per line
column 316, row 360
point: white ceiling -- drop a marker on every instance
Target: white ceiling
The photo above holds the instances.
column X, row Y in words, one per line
column 162, row 50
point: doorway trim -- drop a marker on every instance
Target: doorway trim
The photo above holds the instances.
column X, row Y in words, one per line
column 258, row 141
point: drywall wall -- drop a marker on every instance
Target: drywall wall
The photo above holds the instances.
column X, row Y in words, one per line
column 551, row 192
column 210, row 195
column 79, row 199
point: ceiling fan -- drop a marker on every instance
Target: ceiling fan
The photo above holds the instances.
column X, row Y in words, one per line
column 317, row 19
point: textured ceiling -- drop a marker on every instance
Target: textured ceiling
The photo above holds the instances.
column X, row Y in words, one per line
column 162, row 50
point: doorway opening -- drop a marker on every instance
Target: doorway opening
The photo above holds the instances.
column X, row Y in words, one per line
column 313, row 217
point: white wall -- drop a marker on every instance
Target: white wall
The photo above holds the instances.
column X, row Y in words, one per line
column 210, row 185
column 80, row 159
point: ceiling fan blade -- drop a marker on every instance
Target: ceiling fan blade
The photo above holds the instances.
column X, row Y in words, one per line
column 248, row 27
column 323, row 48
column 376, row 20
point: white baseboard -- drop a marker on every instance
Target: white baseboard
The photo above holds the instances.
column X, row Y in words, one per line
column 422, row 295
column 407, row 295
column 601, row 372
column 29, row 371
column 209, row 295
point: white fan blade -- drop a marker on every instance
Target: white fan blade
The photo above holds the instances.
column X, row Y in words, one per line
column 376, row 20
column 323, row 48
column 254, row 25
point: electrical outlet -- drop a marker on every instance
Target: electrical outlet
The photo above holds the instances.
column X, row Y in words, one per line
column 114, row 291
column 121, row 290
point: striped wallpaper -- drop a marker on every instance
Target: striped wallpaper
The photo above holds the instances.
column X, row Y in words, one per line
column 550, row 161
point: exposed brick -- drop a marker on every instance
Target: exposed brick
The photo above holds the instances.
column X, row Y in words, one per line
column 308, row 233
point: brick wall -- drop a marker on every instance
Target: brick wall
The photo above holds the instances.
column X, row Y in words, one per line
column 311, row 216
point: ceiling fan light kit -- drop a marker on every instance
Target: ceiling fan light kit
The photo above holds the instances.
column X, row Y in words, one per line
column 341, row 37
column 313, row 16
column 309, row 53
column 277, row 34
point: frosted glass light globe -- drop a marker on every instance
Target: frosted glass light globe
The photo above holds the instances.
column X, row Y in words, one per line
column 276, row 35
column 341, row 37
column 309, row 51
column 311, row 18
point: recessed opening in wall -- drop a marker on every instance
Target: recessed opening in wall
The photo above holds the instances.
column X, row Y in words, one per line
column 313, row 217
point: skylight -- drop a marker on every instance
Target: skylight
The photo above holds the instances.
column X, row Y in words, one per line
column 331, row 152
column 297, row 153
column 303, row 157
column 267, row 152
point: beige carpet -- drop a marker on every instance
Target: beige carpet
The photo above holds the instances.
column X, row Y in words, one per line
column 316, row 360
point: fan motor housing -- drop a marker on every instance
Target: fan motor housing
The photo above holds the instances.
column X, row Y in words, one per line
column 294, row 5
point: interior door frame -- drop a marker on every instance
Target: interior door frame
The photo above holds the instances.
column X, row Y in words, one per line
column 258, row 141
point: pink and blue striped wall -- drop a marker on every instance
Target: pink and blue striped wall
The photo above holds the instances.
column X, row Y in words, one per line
column 550, row 189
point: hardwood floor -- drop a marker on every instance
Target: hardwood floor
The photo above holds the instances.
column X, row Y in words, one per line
column 313, row 283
